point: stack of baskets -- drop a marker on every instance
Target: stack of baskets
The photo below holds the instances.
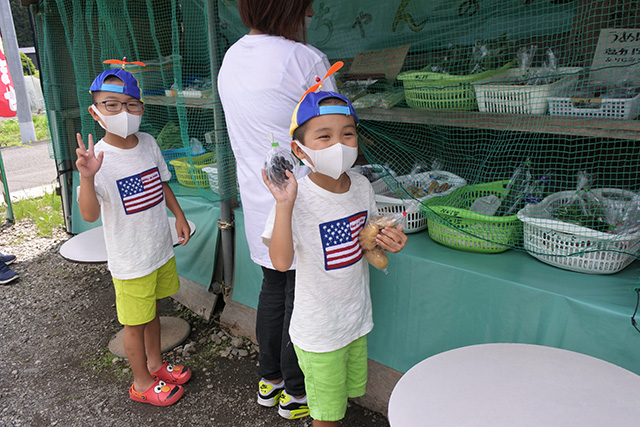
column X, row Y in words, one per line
column 438, row 91
column 510, row 93
column 396, row 194
column 577, row 248
column 189, row 170
column 451, row 223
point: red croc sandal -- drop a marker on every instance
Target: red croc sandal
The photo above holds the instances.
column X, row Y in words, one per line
column 159, row 394
column 173, row 374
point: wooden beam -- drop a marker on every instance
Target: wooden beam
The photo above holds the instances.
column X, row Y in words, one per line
column 380, row 383
column 174, row 101
column 196, row 297
column 241, row 320
column 558, row 125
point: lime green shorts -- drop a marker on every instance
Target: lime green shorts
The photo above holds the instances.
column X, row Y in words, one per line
column 136, row 298
column 333, row 377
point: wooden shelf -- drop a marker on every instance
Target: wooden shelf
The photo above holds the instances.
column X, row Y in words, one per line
column 173, row 101
column 599, row 128
column 602, row 128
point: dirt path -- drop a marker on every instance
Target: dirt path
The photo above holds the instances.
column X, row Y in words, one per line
column 56, row 324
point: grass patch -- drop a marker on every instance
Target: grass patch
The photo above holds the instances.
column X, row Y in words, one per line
column 45, row 212
column 10, row 130
column 102, row 362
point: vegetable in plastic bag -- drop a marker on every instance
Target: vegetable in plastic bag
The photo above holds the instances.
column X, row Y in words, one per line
column 583, row 208
column 278, row 160
column 375, row 255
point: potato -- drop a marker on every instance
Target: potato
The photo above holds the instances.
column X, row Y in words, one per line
column 368, row 236
column 377, row 258
column 384, row 221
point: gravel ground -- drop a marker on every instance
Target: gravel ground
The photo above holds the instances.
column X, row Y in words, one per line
column 56, row 323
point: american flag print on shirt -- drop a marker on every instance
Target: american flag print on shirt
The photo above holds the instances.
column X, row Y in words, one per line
column 141, row 191
column 340, row 241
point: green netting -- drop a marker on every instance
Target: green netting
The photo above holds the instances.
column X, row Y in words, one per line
column 179, row 47
column 489, row 114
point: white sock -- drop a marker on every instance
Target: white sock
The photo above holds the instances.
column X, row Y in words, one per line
column 302, row 399
column 278, row 385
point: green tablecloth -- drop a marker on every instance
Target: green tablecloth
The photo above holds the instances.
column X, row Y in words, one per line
column 195, row 260
column 436, row 298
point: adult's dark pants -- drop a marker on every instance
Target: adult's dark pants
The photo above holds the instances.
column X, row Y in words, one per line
column 277, row 357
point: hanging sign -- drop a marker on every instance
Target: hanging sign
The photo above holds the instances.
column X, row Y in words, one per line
column 617, row 56
column 8, row 101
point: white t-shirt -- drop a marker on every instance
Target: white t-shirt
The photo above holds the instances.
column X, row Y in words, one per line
column 332, row 306
column 134, row 214
column 261, row 80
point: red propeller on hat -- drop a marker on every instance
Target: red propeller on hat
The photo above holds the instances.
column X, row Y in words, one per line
column 123, row 62
column 335, row 67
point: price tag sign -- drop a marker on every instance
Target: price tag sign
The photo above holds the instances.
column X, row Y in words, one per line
column 617, row 56
column 387, row 62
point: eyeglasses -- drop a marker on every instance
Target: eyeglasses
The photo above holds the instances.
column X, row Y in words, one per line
column 116, row 106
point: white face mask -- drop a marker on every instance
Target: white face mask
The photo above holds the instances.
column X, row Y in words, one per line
column 122, row 124
column 332, row 161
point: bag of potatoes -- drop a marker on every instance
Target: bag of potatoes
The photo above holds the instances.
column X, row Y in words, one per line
column 372, row 252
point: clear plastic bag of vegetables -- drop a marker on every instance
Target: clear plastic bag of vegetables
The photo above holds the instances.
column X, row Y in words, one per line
column 277, row 161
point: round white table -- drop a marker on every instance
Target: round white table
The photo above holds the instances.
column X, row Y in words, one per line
column 89, row 246
column 515, row 385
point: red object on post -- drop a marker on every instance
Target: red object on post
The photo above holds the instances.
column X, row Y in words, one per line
column 8, row 101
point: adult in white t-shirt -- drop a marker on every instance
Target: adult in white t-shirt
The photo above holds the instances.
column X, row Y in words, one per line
column 262, row 78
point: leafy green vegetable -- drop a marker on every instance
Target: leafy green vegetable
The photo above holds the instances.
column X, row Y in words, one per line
column 591, row 216
column 170, row 137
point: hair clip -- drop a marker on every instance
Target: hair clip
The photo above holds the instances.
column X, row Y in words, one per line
column 335, row 67
column 123, row 62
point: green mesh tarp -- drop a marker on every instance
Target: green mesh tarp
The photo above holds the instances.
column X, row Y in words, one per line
column 178, row 44
column 495, row 125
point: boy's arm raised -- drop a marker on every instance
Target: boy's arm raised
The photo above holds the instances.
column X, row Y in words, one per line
column 88, row 165
column 281, row 244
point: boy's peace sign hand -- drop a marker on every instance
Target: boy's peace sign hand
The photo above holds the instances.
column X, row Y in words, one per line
column 88, row 164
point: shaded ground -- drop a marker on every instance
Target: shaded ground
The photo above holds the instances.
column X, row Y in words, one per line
column 56, row 322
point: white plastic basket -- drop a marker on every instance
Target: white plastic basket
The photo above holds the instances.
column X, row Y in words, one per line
column 576, row 248
column 388, row 201
column 505, row 94
column 607, row 108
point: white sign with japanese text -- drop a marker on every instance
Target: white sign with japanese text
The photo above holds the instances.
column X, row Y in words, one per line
column 617, row 56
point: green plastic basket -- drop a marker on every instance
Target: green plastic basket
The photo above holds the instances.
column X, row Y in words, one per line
column 451, row 223
column 439, row 91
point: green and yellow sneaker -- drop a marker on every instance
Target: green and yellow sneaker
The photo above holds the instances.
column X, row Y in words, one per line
column 269, row 394
column 291, row 409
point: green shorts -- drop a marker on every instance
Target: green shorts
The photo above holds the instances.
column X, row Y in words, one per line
column 333, row 377
column 136, row 298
